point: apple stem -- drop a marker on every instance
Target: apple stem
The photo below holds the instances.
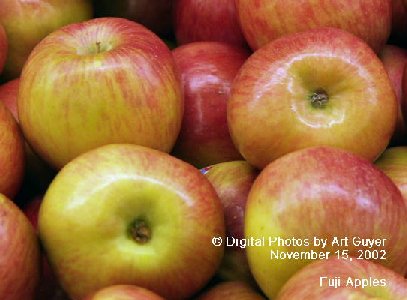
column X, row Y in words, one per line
column 140, row 232
column 319, row 98
column 98, row 47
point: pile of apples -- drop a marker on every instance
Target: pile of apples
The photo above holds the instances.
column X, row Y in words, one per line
column 153, row 149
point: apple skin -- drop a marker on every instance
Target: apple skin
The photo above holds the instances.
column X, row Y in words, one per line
column 263, row 20
column 3, row 48
column 37, row 174
column 101, row 196
column 322, row 192
column 103, row 81
column 207, row 70
column 11, row 154
column 394, row 60
column 271, row 110
column 155, row 15
column 306, row 283
column 393, row 162
column 19, row 248
column 28, row 22
column 207, row 20
column 236, row 290
column 124, row 292
column 232, row 182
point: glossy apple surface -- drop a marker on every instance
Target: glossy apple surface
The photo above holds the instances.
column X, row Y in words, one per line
column 103, row 81
column 11, row 154
column 312, row 281
column 3, row 47
column 263, row 21
column 124, row 292
column 235, row 290
column 394, row 60
column 393, row 162
column 207, row 70
column 155, row 15
column 28, row 22
column 207, row 20
column 232, row 182
column 19, row 259
column 322, row 192
column 320, row 87
column 142, row 216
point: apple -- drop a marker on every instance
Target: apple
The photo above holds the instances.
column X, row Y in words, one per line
column 319, row 87
column 28, row 22
column 393, row 162
column 103, row 81
column 317, row 203
column 11, row 154
column 19, row 248
column 207, row 20
column 236, row 290
column 134, row 216
column 344, row 279
column 37, row 174
column 124, row 292
column 263, row 20
column 155, row 15
column 232, row 182
column 207, row 70
column 394, row 59
column 3, row 47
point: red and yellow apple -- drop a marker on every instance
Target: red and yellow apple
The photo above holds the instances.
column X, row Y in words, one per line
column 127, row 214
column 323, row 87
column 19, row 259
column 124, row 292
column 236, row 290
column 344, row 279
column 394, row 60
column 207, row 20
column 318, row 203
column 207, row 70
column 103, row 81
column 232, row 182
column 265, row 20
column 11, row 153
column 28, row 22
